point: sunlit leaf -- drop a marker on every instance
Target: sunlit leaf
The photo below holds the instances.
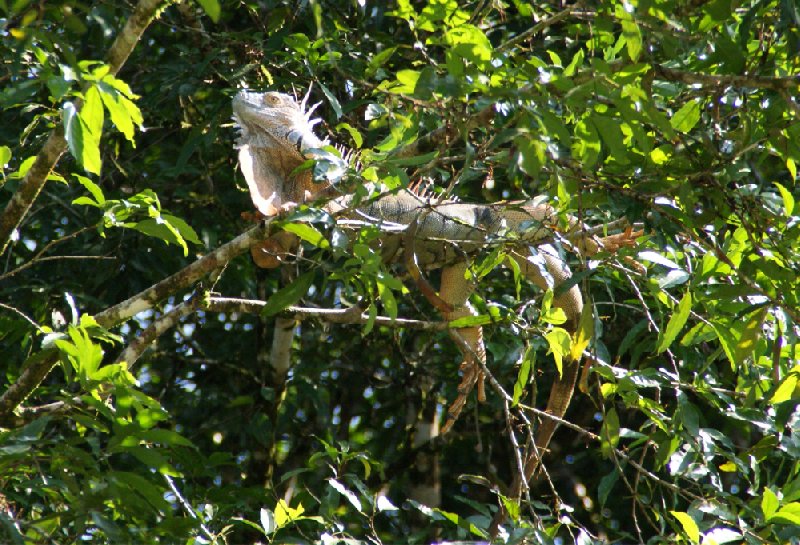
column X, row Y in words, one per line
column 787, row 514
column 523, row 375
column 788, row 388
column 267, row 518
column 5, row 156
column 769, row 503
column 687, row 117
column 749, row 335
column 688, row 524
column 788, row 198
column 584, row 333
column 560, row 343
column 83, row 144
column 340, row 488
column 212, row 8
column 307, row 233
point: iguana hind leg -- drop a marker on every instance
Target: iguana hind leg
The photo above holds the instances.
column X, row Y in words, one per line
column 455, row 291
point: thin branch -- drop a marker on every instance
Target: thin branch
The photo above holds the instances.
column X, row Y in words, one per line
column 22, row 315
column 351, row 315
column 38, row 257
column 538, row 27
column 55, row 146
column 157, row 328
column 727, row 80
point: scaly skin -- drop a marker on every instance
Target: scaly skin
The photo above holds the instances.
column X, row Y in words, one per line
column 277, row 136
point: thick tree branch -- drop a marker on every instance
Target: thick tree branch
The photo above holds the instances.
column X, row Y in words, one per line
column 182, row 279
column 56, row 145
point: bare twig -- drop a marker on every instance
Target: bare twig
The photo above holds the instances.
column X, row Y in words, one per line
column 38, row 257
column 21, row 314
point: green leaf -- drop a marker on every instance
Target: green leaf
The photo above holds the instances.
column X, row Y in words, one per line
column 159, row 228
column 84, row 355
column 82, row 144
column 471, row 321
column 574, row 64
column 165, row 437
column 530, row 155
column 749, row 336
column 633, row 39
column 560, row 342
column 586, row 144
column 688, row 524
column 5, row 156
column 183, row 228
column 687, row 117
column 152, row 459
column 136, row 484
column 289, row 295
column 788, row 514
column 406, row 82
column 92, row 112
column 609, row 434
column 379, row 60
column 769, row 503
column 332, row 100
column 523, row 376
column 462, row 523
column 351, row 497
column 788, row 198
column 308, row 233
column 675, row 324
column 611, row 134
column 117, row 110
column 212, row 8
column 92, row 188
column 488, row 263
column 788, row 387
column 511, row 507
column 354, row 134
column 583, row 335
column 606, row 486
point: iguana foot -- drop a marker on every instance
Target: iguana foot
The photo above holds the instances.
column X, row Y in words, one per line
column 472, row 375
column 626, row 239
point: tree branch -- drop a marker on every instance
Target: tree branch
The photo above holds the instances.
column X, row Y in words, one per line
column 56, row 144
column 336, row 316
column 157, row 328
column 726, row 80
column 37, row 367
column 182, row 279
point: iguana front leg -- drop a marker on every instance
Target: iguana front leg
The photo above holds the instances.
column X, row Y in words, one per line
column 455, row 291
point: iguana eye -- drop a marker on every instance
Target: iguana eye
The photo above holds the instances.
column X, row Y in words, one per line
column 272, row 100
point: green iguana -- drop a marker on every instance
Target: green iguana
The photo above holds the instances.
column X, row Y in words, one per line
column 277, row 136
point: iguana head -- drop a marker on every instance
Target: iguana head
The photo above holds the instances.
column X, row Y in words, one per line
column 274, row 120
